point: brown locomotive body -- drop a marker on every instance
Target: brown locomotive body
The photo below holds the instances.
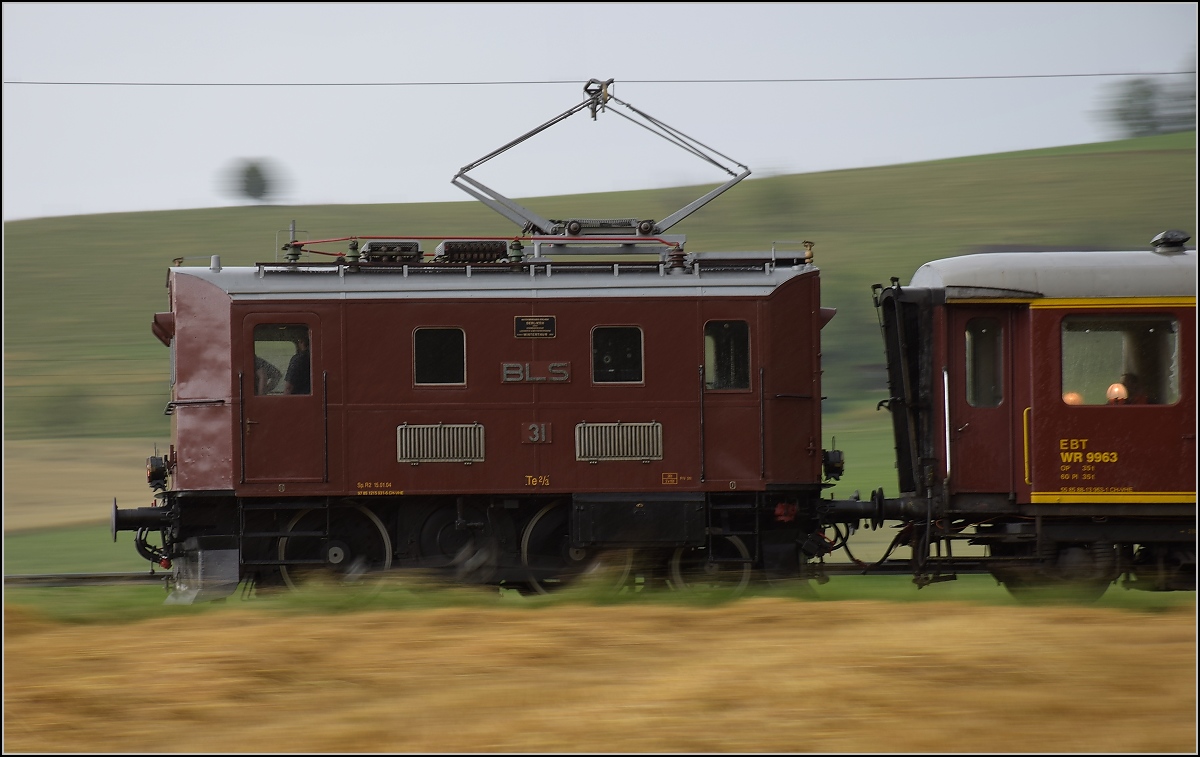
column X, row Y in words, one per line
column 521, row 356
column 532, row 415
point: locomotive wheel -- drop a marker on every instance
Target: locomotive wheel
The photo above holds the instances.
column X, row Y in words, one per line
column 546, row 551
column 695, row 568
column 440, row 536
column 358, row 544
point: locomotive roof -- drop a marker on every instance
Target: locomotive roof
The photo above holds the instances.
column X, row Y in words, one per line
column 1028, row 275
column 267, row 281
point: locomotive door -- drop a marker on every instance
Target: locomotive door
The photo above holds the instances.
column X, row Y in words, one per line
column 283, row 390
column 730, row 410
column 984, row 413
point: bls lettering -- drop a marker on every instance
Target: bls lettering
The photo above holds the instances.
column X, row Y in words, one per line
column 534, row 373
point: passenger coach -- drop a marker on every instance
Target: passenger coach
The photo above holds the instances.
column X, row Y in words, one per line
column 1044, row 405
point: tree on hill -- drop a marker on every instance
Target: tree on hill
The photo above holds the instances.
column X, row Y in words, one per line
column 253, row 179
column 1144, row 107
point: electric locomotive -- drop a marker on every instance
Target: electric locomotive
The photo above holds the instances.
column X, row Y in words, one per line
column 516, row 410
column 1044, row 407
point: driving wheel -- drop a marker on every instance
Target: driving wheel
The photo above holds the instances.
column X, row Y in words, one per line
column 357, row 545
column 553, row 563
column 726, row 566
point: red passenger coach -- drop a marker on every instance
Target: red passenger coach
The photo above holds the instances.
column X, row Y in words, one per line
column 1044, row 405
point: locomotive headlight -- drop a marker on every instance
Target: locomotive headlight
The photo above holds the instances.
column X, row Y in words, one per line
column 156, row 473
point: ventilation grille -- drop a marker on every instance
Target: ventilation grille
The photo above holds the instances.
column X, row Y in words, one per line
column 440, row 443
column 618, row 441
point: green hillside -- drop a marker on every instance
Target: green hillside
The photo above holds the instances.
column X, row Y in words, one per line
column 79, row 291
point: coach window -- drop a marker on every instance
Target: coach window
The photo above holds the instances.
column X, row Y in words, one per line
column 281, row 359
column 726, row 355
column 439, row 356
column 985, row 362
column 616, row 354
column 1139, row 352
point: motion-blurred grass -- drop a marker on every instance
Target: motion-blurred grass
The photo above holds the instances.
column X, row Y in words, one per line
column 127, row 604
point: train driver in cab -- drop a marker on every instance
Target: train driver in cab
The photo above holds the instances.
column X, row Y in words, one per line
column 297, row 379
column 266, row 376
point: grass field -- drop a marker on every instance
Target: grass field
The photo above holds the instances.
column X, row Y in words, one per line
column 762, row 675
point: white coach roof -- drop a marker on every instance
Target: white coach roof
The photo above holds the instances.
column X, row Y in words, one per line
column 1062, row 274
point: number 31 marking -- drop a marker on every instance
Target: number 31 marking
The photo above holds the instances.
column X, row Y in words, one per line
column 535, row 433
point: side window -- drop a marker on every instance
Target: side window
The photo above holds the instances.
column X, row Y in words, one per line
column 985, row 362
column 1120, row 360
column 439, row 356
column 726, row 355
column 616, row 354
column 282, row 363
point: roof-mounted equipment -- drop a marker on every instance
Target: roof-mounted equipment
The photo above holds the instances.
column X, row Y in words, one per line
column 1170, row 242
column 471, row 251
column 390, row 251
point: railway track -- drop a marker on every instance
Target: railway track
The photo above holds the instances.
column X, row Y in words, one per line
column 890, row 568
column 84, row 579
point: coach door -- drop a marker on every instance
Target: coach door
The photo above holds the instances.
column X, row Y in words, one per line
column 984, row 412
column 283, row 391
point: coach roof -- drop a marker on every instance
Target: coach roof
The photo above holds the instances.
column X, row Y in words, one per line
column 1026, row 275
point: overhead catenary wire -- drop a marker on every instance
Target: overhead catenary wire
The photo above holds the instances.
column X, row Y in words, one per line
column 798, row 80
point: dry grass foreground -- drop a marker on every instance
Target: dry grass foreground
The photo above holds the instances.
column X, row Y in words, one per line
column 761, row 674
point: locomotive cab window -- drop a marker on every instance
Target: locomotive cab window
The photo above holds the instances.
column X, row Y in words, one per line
column 726, row 355
column 616, row 355
column 1120, row 360
column 985, row 362
column 282, row 363
column 439, row 356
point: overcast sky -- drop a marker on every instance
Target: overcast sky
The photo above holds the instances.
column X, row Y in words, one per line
column 455, row 81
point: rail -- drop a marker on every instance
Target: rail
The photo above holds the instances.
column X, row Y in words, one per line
column 903, row 567
column 84, row 579
column 896, row 567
